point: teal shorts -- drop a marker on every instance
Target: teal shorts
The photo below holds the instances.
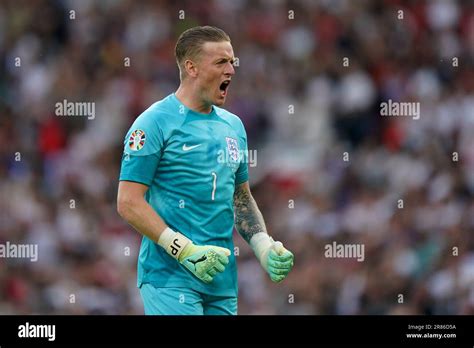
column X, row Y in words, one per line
column 184, row 301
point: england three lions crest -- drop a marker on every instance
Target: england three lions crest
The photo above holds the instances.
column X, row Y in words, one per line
column 233, row 149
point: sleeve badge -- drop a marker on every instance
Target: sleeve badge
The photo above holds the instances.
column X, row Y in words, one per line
column 137, row 140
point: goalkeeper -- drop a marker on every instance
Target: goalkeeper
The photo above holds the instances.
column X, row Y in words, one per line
column 183, row 179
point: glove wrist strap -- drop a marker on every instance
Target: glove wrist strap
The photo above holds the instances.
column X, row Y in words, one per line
column 261, row 244
column 173, row 242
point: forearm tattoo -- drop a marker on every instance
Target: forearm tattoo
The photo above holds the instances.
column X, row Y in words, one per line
column 248, row 218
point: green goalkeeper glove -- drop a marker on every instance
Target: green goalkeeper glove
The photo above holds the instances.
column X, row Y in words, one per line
column 203, row 261
column 274, row 258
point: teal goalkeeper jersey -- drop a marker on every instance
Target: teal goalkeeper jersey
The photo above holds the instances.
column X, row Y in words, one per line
column 191, row 163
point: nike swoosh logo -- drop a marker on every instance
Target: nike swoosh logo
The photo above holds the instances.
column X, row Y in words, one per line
column 187, row 148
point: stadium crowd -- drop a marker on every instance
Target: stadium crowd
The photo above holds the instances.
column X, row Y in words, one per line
column 330, row 168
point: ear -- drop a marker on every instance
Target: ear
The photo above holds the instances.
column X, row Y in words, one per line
column 191, row 68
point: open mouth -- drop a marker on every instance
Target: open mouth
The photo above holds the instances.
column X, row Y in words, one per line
column 223, row 87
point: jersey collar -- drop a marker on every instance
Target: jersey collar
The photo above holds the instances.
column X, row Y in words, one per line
column 190, row 111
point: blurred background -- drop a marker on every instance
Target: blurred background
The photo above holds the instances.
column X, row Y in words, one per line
column 303, row 108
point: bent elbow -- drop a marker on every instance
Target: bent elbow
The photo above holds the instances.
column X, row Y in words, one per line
column 123, row 208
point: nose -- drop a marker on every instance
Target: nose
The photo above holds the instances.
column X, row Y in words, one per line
column 229, row 69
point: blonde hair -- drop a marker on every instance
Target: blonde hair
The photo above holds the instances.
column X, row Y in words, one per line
column 190, row 42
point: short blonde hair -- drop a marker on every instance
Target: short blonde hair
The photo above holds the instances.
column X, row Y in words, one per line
column 190, row 42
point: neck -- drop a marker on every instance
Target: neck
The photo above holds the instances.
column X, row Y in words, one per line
column 190, row 99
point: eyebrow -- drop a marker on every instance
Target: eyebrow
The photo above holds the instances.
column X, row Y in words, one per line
column 218, row 60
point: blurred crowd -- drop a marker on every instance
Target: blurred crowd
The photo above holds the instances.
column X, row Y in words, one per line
column 330, row 168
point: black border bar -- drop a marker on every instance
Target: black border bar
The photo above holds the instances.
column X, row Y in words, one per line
column 136, row 331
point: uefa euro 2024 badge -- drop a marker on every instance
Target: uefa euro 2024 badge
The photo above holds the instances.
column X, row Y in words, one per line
column 137, row 140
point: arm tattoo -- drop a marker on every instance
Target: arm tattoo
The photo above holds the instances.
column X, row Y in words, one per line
column 248, row 218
